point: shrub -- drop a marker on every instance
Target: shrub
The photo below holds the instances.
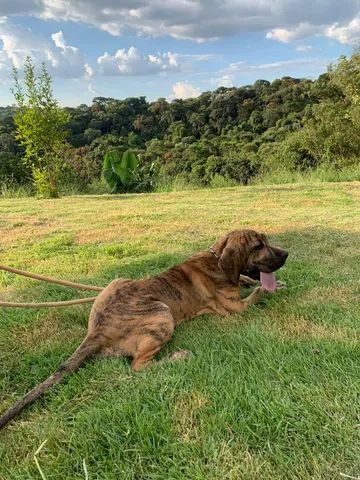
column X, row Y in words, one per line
column 40, row 128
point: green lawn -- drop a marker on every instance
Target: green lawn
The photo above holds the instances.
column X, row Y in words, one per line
column 270, row 394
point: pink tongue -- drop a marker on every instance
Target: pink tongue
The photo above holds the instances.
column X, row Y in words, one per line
column 268, row 281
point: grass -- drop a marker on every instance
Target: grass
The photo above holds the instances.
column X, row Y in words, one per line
column 271, row 394
column 182, row 183
column 323, row 173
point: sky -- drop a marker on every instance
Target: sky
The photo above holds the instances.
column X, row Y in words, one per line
column 171, row 48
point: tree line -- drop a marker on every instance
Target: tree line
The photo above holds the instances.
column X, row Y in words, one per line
column 227, row 136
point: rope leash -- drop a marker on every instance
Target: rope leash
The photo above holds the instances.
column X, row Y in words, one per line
column 43, row 278
column 48, row 304
column 57, row 281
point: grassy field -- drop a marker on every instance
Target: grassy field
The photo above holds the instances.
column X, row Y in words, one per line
column 271, row 394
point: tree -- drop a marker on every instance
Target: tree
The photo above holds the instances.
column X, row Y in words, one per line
column 40, row 128
column 330, row 134
column 236, row 133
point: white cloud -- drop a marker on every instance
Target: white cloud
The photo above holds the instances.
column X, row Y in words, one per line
column 65, row 60
column 202, row 57
column 225, row 80
column 286, row 35
column 303, row 48
column 239, row 68
column 60, row 41
column 201, row 20
column 93, row 90
column 131, row 62
column 185, row 90
column 286, row 63
column 62, row 60
column 348, row 34
column 234, row 68
column 11, row 7
column 5, row 68
column 89, row 71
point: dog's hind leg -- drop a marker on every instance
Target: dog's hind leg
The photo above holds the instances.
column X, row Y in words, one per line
column 155, row 332
column 110, row 352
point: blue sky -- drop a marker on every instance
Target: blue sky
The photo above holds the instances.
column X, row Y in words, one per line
column 173, row 48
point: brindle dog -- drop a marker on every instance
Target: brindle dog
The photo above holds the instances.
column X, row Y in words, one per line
column 136, row 318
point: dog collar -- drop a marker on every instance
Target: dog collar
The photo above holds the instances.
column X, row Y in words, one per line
column 214, row 253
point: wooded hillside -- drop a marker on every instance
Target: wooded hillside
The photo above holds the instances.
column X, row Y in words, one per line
column 235, row 133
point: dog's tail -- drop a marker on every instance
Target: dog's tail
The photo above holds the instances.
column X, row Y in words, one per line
column 86, row 349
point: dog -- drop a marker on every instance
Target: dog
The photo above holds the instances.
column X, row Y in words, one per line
column 136, row 318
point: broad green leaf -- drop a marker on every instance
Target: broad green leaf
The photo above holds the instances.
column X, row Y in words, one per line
column 129, row 160
column 109, row 171
column 119, row 168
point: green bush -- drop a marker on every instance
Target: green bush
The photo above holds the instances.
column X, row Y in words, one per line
column 123, row 173
column 43, row 183
column 218, row 181
column 40, row 128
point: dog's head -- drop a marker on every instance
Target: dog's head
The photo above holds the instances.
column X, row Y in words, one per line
column 249, row 253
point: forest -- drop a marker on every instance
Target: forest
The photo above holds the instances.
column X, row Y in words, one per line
column 265, row 131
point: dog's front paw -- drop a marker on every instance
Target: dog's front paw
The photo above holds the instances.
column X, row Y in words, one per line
column 280, row 285
column 246, row 281
column 257, row 294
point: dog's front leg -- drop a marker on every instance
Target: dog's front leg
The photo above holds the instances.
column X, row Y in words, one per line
column 230, row 301
column 254, row 296
column 245, row 281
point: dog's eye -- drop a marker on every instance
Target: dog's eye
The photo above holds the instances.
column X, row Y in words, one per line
column 258, row 246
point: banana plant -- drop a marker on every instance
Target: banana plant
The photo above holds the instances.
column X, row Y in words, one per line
column 119, row 170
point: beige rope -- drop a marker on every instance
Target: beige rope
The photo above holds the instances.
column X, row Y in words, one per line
column 43, row 278
column 48, row 304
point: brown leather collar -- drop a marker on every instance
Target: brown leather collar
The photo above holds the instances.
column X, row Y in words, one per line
column 214, row 253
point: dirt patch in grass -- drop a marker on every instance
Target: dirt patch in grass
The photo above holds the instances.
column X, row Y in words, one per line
column 301, row 328
column 187, row 415
column 341, row 294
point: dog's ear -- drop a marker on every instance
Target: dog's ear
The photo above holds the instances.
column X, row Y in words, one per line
column 233, row 259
